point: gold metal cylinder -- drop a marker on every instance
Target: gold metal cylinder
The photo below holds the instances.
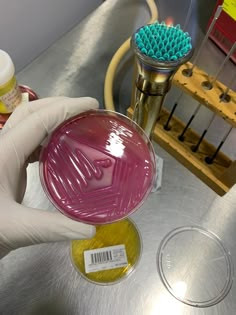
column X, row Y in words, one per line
column 151, row 84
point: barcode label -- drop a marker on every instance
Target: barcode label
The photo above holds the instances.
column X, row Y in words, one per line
column 25, row 97
column 98, row 258
column 105, row 258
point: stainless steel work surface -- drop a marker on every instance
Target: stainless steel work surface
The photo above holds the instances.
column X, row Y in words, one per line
column 41, row 279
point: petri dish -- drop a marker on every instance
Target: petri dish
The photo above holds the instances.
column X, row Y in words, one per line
column 98, row 167
column 32, row 97
column 194, row 266
column 107, row 237
column 32, row 94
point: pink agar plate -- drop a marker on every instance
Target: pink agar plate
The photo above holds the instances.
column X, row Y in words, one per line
column 97, row 167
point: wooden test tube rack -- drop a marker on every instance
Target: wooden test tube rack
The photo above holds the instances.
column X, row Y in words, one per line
column 221, row 174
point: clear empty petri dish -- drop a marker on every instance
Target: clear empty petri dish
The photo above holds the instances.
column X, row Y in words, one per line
column 111, row 255
column 98, row 167
column 194, row 266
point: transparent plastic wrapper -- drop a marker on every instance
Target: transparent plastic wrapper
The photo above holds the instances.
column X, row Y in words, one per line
column 98, row 167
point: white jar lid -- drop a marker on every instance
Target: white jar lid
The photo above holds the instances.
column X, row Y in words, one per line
column 7, row 69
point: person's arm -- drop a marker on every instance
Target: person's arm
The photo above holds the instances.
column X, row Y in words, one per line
column 26, row 129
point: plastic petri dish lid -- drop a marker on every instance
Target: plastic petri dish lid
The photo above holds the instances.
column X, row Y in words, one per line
column 123, row 233
column 194, row 266
column 98, row 167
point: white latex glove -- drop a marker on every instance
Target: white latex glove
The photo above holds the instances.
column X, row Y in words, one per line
column 23, row 133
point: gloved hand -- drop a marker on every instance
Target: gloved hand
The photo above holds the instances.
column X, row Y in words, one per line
column 26, row 129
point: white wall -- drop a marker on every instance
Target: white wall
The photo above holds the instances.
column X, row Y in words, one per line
column 27, row 27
